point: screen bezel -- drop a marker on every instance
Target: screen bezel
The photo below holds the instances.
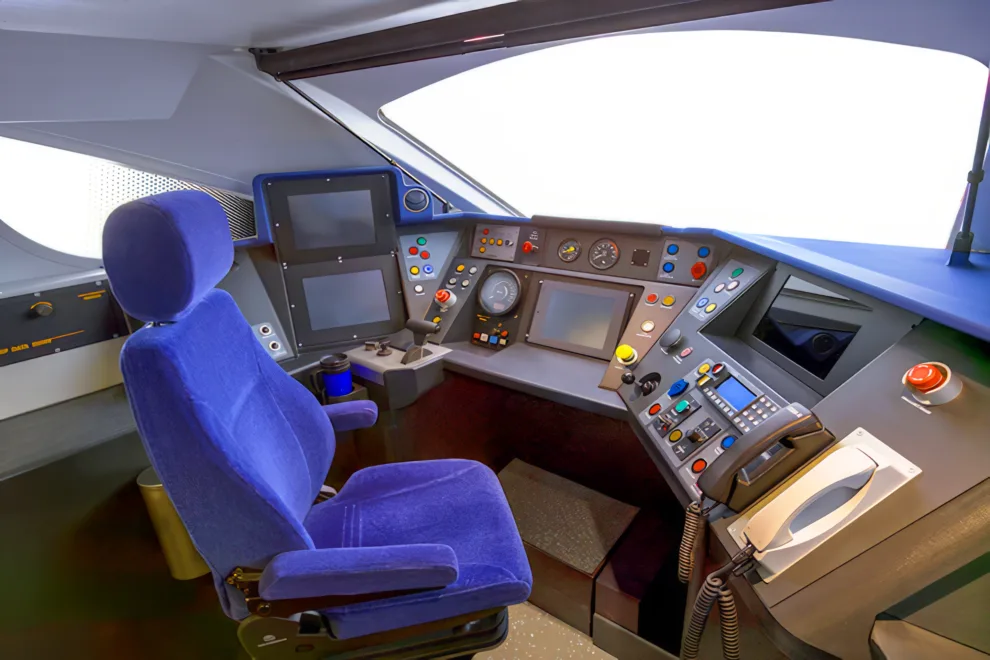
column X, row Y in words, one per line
column 883, row 326
column 380, row 186
column 620, row 299
column 308, row 339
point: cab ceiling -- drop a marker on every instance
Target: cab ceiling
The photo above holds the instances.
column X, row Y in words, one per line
column 268, row 23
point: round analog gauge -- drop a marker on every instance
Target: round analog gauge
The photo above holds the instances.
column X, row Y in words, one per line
column 499, row 293
column 604, row 254
column 569, row 250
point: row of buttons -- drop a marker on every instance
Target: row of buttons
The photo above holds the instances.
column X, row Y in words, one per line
column 653, row 299
column 722, row 405
column 709, row 306
column 428, row 269
column 674, row 248
column 731, row 286
column 493, row 339
column 492, row 241
column 415, row 250
column 698, row 270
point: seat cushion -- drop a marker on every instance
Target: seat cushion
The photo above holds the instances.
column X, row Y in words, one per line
column 454, row 502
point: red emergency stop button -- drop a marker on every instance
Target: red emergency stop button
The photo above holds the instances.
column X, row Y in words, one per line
column 924, row 377
column 527, row 247
column 443, row 296
column 699, row 465
column 698, row 270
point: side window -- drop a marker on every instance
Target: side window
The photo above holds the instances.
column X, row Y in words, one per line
column 60, row 199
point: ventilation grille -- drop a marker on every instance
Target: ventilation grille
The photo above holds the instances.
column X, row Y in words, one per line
column 113, row 185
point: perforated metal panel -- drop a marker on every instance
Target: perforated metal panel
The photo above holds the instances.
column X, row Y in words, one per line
column 112, row 185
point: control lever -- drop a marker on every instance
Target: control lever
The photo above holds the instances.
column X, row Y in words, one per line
column 420, row 329
column 754, row 464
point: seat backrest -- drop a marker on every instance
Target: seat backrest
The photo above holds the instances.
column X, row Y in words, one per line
column 241, row 447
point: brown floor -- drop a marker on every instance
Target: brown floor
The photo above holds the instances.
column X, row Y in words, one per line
column 535, row 634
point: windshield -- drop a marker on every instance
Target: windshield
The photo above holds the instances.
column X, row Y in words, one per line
column 772, row 133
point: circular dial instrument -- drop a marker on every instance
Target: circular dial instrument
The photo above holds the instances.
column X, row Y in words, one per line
column 499, row 293
column 604, row 254
column 569, row 250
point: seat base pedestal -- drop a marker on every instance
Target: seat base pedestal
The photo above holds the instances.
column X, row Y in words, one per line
column 306, row 638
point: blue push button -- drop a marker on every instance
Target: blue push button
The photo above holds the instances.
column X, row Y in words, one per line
column 704, row 252
column 673, row 248
column 677, row 388
column 728, row 441
column 702, row 303
column 668, row 267
column 493, row 340
column 428, row 269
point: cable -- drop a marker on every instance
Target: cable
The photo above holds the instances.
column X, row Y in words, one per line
column 715, row 589
column 728, row 619
column 699, row 616
column 693, row 522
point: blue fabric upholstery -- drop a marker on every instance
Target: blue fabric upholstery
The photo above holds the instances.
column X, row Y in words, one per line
column 308, row 573
column 242, row 449
column 167, row 252
column 456, row 502
column 351, row 415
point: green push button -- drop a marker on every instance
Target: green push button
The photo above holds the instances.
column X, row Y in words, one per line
column 736, row 273
column 422, row 241
column 681, row 406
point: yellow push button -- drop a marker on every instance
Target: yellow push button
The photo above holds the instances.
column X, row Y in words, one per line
column 668, row 301
column 484, row 241
column 711, row 308
column 703, row 380
column 625, row 354
column 460, row 269
column 676, row 435
column 498, row 242
column 414, row 270
column 437, row 319
column 481, row 249
column 704, row 369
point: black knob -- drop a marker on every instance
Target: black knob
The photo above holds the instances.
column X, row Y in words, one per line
column 696, row 436
column 670, row 339
column 42, row 309
column 384, row 347
column 628, row 378
column 648, row 386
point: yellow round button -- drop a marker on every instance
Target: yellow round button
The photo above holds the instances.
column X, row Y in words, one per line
column 414, row 270
column 437, row 319
column 481, row 249
column 704, row 369
column 647, row 326
column 499, row 241
column 668, row 301
column 711, row 308
column 484, row 241
column 460, row 269
column 626, row 354
column 676, row 435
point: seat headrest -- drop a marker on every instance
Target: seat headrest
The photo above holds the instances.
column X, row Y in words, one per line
column 163, row 253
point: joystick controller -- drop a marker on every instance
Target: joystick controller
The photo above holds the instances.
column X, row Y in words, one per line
column 420, row 329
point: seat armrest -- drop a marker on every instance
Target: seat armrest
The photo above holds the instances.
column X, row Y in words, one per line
column 349, row 571
column 351, row 415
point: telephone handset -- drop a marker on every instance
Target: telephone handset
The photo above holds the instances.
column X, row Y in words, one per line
column 762, row 458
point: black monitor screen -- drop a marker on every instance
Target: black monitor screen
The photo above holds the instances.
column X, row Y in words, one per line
column 810, row 325
column 329, row 220
column 581, row 318
column 348, row 299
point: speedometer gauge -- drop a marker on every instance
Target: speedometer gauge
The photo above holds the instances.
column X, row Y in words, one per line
column 499, row 293
column 569, row 250
column 604, row 254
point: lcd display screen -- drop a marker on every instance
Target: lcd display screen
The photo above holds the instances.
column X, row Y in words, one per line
column 348, row 299
column 810, row 325
column 735, row 393
column 329, row 220
column 579, row 318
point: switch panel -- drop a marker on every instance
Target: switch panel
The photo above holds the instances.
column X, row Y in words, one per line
column 498, row 242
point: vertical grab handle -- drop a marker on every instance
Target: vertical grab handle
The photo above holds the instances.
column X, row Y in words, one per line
column 846, row 468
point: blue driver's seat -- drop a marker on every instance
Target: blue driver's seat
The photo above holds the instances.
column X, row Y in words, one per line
column 409, row 560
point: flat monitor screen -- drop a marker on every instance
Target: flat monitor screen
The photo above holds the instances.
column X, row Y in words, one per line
column 330, row 220
column 810, row 325
column 735, row 393
column 578, row 318
column 348, row 299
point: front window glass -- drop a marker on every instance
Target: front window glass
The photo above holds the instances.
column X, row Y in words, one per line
column 783, row 134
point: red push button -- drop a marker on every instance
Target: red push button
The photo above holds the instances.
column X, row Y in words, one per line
column 413, row 250
column 425, row 254
column 925, row 377
column 443, row 296
column 698, row 270
column 527, row 247
column 485, row 232
column 717, row 368
column 699, row 465
column 652, row 299
column 655, row 408
column 477, row 335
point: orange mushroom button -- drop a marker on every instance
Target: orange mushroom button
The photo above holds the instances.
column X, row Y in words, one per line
column 924, row 377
